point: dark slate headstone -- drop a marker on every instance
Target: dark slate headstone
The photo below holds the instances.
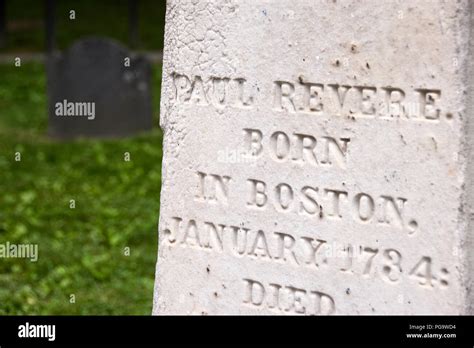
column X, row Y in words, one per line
column 93, row 93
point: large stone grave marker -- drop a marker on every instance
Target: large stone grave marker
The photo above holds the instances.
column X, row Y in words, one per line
column 97, row 88
column 318, row 158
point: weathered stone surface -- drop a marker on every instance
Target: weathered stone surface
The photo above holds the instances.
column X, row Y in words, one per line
column 318, row 158
column 107, row 89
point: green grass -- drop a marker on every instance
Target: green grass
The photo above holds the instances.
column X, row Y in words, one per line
column 104, row 18
column 81, row 250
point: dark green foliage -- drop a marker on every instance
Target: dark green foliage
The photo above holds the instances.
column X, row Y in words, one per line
column 104, row 17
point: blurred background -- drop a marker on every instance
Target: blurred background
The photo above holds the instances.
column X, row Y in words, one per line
column 99, row 256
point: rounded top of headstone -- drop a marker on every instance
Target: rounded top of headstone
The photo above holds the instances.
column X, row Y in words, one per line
column 96, row 49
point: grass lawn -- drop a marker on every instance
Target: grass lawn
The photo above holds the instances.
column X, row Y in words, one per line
column 107, row 17
column 82, row 250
